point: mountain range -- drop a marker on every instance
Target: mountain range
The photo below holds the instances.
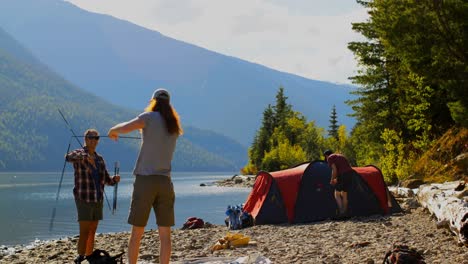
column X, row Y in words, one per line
column 34, row 136
column 123, row 63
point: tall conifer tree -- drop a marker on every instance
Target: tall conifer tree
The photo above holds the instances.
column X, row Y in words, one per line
column 333, row 127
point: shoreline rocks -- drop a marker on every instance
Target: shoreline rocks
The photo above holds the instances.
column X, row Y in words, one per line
column 237, row 181
column 357, row 240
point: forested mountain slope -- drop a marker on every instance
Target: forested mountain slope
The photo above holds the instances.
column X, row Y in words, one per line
column 33, row 135
column 123, row 63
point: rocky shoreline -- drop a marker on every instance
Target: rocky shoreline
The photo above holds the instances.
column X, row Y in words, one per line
column 237, row 181
column 357, row 240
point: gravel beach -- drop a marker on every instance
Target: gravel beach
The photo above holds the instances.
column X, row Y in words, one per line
column 357, row 240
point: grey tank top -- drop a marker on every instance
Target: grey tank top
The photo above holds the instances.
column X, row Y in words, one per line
column 157, row 146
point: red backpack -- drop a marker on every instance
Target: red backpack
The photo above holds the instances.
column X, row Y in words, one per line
column 193, row 222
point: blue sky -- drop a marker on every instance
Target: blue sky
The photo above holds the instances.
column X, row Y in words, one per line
column 305, row 37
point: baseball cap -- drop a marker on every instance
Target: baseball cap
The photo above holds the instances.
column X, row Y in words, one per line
column 161, row 94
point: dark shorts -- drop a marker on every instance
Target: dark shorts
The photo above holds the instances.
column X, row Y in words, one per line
column 344, row 181
column 88, row 211
column 152, row 191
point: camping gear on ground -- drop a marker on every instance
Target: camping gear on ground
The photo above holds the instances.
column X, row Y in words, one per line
column 233, row 213
column 100, row 256
column 304, row 194
column 231, row 240
column 246, row 220
column 79, row 259
column 252, row 258
column 237, row 218
column 402, row 254
column 193, row 223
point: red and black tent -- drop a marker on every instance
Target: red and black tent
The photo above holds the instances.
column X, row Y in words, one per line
column 303, row 194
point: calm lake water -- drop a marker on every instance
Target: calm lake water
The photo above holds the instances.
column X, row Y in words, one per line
column 27, row 201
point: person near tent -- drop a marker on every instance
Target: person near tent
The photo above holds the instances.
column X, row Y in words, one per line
column 160, row 128
column 90, row 177
column 341, row 178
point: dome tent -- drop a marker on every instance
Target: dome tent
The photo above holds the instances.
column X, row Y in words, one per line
column 303, row 194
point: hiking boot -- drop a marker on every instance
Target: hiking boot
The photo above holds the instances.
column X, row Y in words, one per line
column 79, row 259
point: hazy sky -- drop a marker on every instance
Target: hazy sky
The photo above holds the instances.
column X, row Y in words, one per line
column 305, row 37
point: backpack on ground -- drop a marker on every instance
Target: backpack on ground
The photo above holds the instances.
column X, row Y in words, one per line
column 100, row 256
column 402, row 254
column 246, row 220
column 193, row 223
column 237, row 218
column 233, row 217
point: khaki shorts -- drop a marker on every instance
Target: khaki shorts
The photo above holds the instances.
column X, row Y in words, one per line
column 155, row 191
column 89, row 211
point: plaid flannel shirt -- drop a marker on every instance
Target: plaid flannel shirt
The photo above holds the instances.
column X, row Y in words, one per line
column 85, row 187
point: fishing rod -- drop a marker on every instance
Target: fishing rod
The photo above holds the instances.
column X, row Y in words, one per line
column 79, row 142
column 69, row 127
column 54, row 211
column 116, row 172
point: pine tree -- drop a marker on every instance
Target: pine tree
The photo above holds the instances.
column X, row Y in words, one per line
column 274, row 120
column 261, row 142
column 412, row 85
column 333, row 131
column 283, row 110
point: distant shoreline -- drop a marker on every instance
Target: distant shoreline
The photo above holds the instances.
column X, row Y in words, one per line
column 246, row 181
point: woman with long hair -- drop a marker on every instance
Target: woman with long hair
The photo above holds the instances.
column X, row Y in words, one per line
column 160, row 127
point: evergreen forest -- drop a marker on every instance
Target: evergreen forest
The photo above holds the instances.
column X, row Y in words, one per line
column 411, row 99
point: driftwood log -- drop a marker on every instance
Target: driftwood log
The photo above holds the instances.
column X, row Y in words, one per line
column 449, row 206
column 402, row 192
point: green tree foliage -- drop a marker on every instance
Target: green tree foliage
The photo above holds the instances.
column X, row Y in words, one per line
column 283, row 110
column 341, row 144
column 397, row 161
column 284, row 139
column 261, row 142
column 333, row 127
column 284, row 155
column 431, row 40
column 274, row 117
column 412, row 80
column 376, row 103
column 314, row 142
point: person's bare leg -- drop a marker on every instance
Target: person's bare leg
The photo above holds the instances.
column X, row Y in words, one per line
column 82, row 240
column 134, row 243
column 339, row 202
column 91, row 235
column 389, row 198
column 344, row 197
column 166, row 247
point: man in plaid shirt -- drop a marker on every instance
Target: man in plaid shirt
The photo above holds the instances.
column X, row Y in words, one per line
column 90, row 177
